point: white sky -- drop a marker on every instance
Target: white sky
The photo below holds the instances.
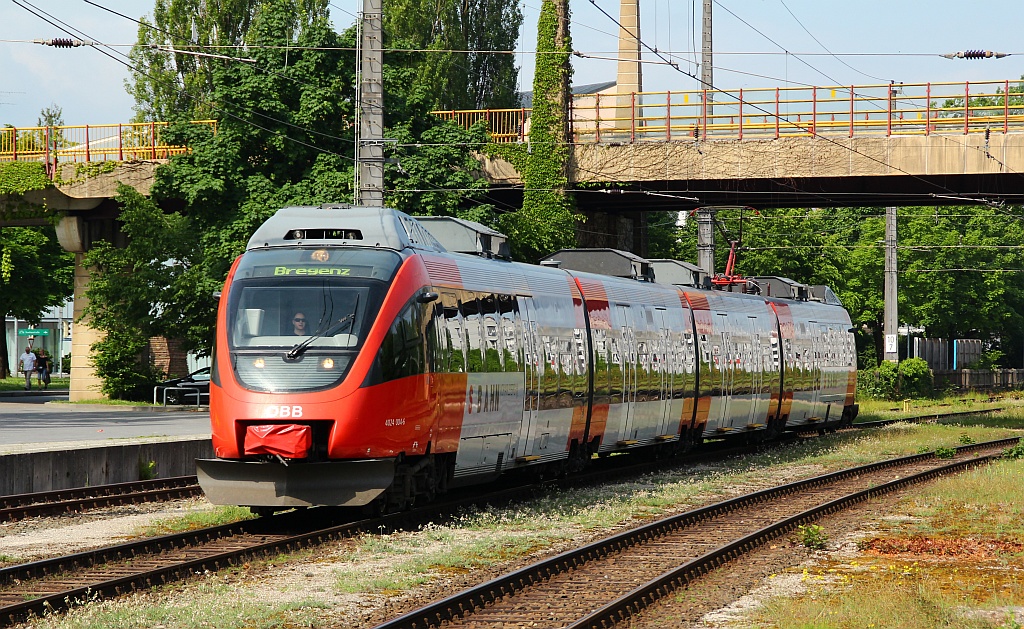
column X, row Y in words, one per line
column 90, row 87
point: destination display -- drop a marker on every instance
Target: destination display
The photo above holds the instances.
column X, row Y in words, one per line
column 309, row 270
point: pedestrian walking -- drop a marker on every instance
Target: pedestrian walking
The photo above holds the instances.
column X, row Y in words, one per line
column 43, row 368
column 28, row 365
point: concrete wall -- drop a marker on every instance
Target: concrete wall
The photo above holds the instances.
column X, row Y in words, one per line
column 799, row 157
column 47, row 471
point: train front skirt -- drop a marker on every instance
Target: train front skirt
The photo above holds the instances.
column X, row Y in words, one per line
column 271, row 484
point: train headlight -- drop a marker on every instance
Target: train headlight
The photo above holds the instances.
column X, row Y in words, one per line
column 327, row 363
column 259, row 363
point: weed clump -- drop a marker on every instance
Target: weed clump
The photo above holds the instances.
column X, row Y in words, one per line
column 812, row 536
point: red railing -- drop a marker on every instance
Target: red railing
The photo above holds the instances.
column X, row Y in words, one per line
column 89, row 143
column 772, row 113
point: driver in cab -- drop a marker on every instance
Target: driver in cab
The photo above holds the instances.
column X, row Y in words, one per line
column 299, row 325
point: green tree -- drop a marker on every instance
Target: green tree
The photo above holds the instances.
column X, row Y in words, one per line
column 172, row 86
column 146, row 288
column 461, row 71
column 958, row 273
column 285, row 138
column 35, row 274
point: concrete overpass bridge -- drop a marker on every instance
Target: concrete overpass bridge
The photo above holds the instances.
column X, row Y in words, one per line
column 866, row 145
column 855, row 145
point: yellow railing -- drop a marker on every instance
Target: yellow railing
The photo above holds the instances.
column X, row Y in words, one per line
column 89, row 143
column 834, row 111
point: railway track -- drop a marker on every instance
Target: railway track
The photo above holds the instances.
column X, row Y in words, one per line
column 605, row 583
column 55, row 584
column 21, row 506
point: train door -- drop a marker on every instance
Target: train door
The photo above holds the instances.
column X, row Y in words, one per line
column 663, row 365
column 723, row 361
column 533, row 368
column 629, row 383
column 754, row 365
column 817, row 355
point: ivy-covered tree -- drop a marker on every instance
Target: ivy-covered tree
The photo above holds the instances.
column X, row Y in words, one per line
column 547, row 219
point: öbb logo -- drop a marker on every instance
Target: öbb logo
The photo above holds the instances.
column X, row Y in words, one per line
column 276, row 412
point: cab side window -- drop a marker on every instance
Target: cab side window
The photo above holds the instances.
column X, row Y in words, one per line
column 403, row 352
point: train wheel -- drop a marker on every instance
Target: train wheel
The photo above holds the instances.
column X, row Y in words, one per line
column 262, row 512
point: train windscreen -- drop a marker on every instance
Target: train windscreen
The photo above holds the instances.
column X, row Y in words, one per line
column 297, row 317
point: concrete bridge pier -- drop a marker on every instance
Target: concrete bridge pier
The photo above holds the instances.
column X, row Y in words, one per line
column 614, row 230
column 75, row 234
column 84, row 201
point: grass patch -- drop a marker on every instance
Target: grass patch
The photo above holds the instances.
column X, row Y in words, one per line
column 210, row 605
column 952, row 560
column 197, row 520
column 871, row 410
column 984, row 501
column 903, row 596
column 17, row 383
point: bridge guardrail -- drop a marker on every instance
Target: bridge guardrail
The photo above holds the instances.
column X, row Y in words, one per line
column 772, row 113
column 89, row 143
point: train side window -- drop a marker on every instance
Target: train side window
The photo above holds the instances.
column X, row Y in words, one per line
column 509, row 338
column 492, row 333
column 471, row 317
column 454, row 360
column 602, row 363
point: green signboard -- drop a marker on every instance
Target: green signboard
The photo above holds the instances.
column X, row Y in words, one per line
column 33, row 332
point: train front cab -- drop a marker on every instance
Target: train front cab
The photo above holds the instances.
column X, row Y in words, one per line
column 298, row 420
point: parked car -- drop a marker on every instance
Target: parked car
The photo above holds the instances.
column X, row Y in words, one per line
column 198, row 380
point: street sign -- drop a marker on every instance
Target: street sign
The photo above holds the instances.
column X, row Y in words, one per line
column 33, row 332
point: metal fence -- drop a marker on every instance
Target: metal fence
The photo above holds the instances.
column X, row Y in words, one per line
column 772, row 113
column 980, row 379
column 90, row 143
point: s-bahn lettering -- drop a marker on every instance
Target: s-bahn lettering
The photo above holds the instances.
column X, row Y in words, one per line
column 486, row 398
column 282, row 411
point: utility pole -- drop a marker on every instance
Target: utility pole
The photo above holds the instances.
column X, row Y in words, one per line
column 706, row 68
column 890, row 318
column 368, row 186
column 706, row 240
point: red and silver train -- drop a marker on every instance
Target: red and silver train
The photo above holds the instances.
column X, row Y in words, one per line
column 419, row 369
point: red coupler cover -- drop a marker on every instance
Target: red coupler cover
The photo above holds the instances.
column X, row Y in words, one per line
column 288, row 440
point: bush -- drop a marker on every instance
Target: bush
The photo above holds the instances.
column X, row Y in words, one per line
column 915, row 378
column 1016, row 452
column 117, row 362
column 892, row 381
